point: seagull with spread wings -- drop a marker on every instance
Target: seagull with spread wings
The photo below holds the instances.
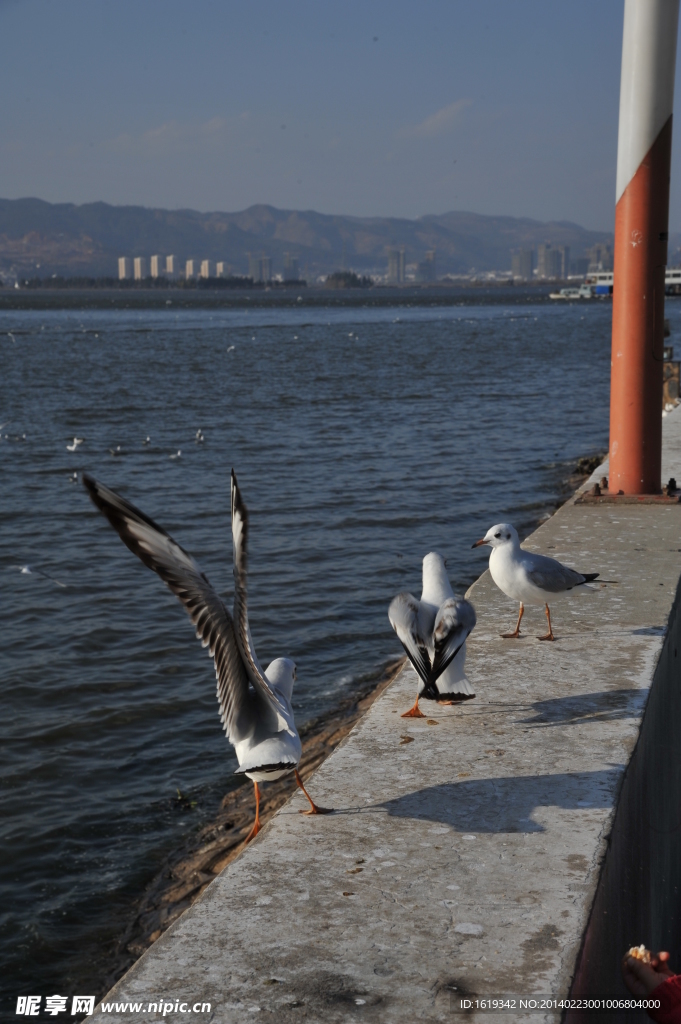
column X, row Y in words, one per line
column 255, row 705
column 433, row 632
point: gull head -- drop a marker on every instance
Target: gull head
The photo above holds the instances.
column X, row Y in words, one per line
column 281, row 673
column 434, row 565
column 498, row 536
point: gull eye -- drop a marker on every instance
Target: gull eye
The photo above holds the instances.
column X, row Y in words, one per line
column 497, row 535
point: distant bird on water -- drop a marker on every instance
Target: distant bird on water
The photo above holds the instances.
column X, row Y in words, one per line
column 433, row 632
column 27, row 570
column 255, row 706
column 77, row 441
column 526, row 577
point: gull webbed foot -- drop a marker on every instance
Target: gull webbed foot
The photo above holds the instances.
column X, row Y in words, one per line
column 414, row 712
column 313, row 809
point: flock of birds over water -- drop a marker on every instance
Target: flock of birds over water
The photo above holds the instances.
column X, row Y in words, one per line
column 255, row 703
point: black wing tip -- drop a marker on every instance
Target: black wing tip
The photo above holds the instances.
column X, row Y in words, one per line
column 94, row 489
column 421, row 671
column 456, row 697
column 588, row 576
column 115, row 508
column 238, row 504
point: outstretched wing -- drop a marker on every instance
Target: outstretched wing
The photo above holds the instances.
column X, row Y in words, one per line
column 179, row 571
column 403, row 614
column 453, row 623
column 242, row 629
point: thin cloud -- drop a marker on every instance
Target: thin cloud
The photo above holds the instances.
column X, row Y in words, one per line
column 171, row 135
column 442, row 122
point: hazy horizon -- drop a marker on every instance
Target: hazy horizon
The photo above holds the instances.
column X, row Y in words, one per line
column 374, row 109
column 300, row 209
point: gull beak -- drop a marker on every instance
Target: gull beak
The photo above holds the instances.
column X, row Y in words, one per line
column 479, row 542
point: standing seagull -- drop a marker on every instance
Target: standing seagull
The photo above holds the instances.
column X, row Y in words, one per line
column 433, row 632
column 255, row 706
column 526, row 577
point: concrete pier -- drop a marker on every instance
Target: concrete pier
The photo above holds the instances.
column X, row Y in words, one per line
column 515, row 845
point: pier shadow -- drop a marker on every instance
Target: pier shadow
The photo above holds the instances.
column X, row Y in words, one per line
column 505, row 804
column 605, row 706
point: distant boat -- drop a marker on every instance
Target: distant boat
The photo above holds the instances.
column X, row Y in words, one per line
column 583, row 292
column 602, row 281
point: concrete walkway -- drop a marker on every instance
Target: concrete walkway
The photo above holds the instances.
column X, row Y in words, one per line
column 465, row 852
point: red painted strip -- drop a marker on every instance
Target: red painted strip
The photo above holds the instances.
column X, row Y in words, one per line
column 641, row 225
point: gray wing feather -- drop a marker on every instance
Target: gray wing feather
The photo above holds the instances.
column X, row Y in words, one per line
column 403, row 614
column 453, row 622
column 552, row 576
column 242, row 629
column 177, row 568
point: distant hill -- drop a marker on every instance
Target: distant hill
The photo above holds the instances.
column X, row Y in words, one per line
column 39, row 238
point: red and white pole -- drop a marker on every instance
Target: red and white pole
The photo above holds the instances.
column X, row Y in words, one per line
column 641, row 232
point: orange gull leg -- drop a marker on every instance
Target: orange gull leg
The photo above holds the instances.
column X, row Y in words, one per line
column 313, row 807
column 549, row 635
column 516, row 632
column 256, row 824
column 414, row 712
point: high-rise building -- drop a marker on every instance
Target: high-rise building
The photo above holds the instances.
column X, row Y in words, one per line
column 253, row 267
column 291, row 272
column 522, row 264
column 207, row 268
column 579, row 266
column 190, row 269
column 140, row 268
column 124, row 268
column 549, row 261
column 426, row 270
column 259, row 268
column 156, row 266
column 600, row 257
column 222, row 269
column 396, row 266
column 554, row 262
column 171, row 266
column 564, row 251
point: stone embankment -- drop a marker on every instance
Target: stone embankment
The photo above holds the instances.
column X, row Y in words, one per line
column 189, row 869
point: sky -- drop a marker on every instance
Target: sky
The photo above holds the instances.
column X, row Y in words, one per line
column 365, row 107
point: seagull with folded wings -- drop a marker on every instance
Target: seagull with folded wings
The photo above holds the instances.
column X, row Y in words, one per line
column 529, row 578
column 255, row 705
column 433, row 632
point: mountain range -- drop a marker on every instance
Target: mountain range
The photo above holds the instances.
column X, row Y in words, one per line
column 40, row 239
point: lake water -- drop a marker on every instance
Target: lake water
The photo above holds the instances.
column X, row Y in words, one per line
column 362, row 438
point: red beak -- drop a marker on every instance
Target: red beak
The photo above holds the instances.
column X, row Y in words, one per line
column 479, row 542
